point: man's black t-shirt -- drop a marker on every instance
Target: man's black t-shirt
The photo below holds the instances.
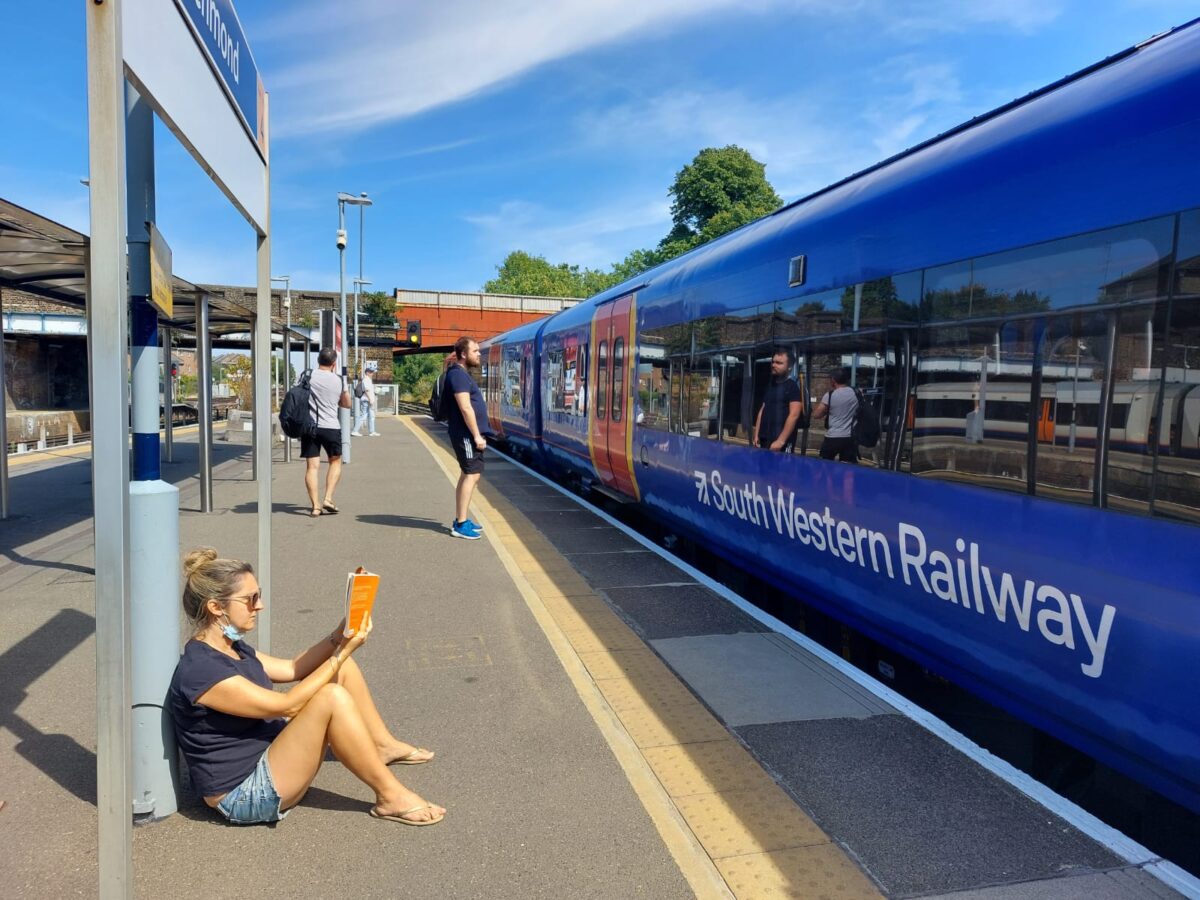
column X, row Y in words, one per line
column 458, row 381
column 780, row 393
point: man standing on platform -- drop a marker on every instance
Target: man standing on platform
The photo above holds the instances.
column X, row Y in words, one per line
column 327, row 394
column 467, row 420
column 775, row 424
column 365, row 407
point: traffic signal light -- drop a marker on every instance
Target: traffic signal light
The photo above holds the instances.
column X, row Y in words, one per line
column 414, row 333
column 174, row 370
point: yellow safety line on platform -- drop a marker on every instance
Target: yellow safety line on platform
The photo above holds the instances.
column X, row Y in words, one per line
column 729, row 827
column 32, row 456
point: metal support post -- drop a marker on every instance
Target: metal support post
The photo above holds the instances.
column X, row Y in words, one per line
column 262, row 435
column 287, row 362
column 106, row 308
column 168, row 396
column 343, row 414
column 204, row 379
column 153, row 504
column 255, row 380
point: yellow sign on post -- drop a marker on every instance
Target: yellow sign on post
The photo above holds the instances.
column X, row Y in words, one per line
column 160, row 273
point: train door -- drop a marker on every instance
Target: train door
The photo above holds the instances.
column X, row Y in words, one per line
column 492, row 386
column 610, row 426
column 1045, row 427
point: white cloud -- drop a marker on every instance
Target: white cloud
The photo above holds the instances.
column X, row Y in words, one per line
column 366, row 62
column 594, row 238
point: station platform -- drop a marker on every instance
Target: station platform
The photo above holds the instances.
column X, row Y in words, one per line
column 607, row 724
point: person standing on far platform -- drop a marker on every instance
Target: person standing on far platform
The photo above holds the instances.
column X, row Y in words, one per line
column 775, row 424
column 841, row 405
column 365, row 407
column 327, row 395
column 467, row 420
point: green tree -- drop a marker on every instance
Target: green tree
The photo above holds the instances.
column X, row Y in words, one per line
column 380, row 307
column 533, row 276
column 720, row 190
column 415, row 374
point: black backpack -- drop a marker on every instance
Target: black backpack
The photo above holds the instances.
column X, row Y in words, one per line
column 437, row 408
column 295, row 414
column 359, row 389
column 866, row 422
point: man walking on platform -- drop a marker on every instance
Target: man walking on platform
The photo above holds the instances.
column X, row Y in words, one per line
column 467, row 420
column 841, row 405
column 327, row 395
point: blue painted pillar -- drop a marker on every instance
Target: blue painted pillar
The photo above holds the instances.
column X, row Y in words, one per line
column 154, row 592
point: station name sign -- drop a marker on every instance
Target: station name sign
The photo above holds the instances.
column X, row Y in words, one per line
column 218, row 31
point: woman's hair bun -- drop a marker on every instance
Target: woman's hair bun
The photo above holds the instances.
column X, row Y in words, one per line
column 197, row 558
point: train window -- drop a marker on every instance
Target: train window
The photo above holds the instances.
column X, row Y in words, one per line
column 1074, row 363
column 1176, row 484
column 1135, row 408
column 602, row 380
column 1117, row 265
column 526, row 361
column 653, row 388
column 702, row 397
column 1187, row 255
column 872, row 368
column 618, row 378
column 554, row 381
column 971, row 410
column 510, row 392
column 821, row 313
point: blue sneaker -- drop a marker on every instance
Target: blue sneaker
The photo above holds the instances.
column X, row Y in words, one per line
column 464, row 530
column 474, row 525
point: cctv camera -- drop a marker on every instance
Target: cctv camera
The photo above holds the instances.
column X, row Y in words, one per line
column 341, row 238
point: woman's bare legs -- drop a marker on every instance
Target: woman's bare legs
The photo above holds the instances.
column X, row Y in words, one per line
column 391, row 748
column 332, row 718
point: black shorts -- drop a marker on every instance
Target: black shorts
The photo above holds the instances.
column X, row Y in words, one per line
column 470, row 457
column 328, row 439
column 843, row 448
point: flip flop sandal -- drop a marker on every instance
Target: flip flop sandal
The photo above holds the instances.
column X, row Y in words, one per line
column 329, row 507
column 407, row 759
column 314, row 512
column 399, row 817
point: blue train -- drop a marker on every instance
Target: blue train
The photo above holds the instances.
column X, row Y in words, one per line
column 1019, row 299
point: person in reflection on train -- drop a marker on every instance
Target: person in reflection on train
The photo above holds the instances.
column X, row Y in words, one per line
column 327, row 395
column 364, row 407
column 253, row 751
column 467, row 421
column 840, row 404
column 778, row 418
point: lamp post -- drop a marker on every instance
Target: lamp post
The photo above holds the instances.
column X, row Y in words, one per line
column 360, row 201
column 287, row 347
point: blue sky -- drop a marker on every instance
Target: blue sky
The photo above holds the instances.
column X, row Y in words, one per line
column 485, row 126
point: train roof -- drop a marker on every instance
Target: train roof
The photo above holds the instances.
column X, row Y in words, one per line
column 921, row 207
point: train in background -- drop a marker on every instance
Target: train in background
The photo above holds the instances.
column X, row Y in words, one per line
column 1051, row 251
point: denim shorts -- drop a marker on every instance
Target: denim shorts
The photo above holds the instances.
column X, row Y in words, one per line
column 255, row 800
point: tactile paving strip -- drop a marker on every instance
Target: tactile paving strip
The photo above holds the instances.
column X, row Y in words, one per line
column 821, row 872
column 736, row 823
column 706, row 768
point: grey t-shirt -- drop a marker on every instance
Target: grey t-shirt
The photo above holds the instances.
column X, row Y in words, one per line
column 326, row 389
column 843, row 404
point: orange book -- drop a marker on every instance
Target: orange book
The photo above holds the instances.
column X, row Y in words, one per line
column 361, row 588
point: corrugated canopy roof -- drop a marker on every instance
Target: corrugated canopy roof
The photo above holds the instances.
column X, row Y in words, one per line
column 42, row 257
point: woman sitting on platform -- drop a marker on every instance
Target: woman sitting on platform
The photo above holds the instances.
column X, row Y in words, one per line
column 252, row 751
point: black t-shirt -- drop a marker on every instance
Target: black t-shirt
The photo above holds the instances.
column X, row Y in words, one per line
column 458, row 381
column 780, row 393
column 221, row 750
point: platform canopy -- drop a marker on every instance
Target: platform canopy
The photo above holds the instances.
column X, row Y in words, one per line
column 42, row 257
